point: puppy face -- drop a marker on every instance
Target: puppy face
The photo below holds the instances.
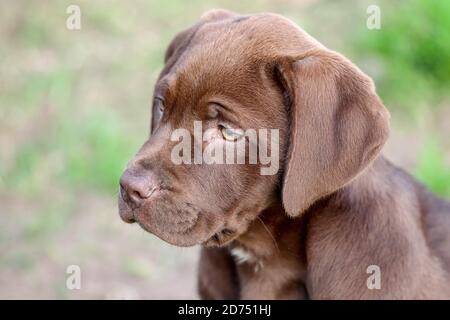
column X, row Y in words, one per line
column 214, row 76
column 253, row 72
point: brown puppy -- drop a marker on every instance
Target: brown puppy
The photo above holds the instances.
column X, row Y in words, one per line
column 335, row 210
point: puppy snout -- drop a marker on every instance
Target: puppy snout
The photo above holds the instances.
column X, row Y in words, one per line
column 135, row 189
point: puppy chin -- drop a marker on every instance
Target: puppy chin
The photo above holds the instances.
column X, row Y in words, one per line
column 189, row 238
column 185, row 233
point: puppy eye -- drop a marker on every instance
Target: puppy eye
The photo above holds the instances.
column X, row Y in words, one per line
column 231, row 134
column 159, row 104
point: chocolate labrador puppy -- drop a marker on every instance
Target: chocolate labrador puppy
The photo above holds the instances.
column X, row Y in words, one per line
column 336, row 221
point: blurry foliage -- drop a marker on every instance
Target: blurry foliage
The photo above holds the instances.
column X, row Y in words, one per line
column 63, row 116
column 411, row 54
column 413, row 47
column 90, row 158
column 138, row 267
column 45, row 224
column 96, row 156
column 432, row 169
column 86, row 150
column 86, row 142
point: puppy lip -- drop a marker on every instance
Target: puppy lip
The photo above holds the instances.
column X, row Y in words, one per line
column 125, row 212
column 171, row 237
column 143, row 220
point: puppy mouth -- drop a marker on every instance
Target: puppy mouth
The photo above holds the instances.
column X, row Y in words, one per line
column 185, row 226
column 125, row 212
column 181, row 234
column 179, row 228
column 189, row 231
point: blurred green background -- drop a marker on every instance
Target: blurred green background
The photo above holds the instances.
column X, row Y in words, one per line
column 75, row 106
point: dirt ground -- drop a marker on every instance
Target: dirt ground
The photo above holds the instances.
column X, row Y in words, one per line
column 117, row 261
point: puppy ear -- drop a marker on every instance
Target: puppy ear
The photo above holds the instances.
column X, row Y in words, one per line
column 217, row 14
column 179, row 41
column 338, row 126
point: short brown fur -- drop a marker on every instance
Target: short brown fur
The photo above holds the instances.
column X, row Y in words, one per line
column 336, row 207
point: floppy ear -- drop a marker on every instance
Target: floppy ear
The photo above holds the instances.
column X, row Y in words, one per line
column 338, row 126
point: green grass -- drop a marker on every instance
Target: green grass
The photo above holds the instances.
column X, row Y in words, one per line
column 137, row 267
column 95, row 156
column 413, row 48
column 90, row 152
column 45, row 224
column 432, row 170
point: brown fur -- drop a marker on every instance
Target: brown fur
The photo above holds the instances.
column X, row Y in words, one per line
column 336, row 207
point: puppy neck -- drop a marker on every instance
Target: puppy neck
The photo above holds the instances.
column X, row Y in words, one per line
column 271, row 235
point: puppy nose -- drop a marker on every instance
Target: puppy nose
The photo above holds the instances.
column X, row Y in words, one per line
column 136, row 188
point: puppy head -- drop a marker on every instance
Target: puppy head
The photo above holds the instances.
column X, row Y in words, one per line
column 248, row 72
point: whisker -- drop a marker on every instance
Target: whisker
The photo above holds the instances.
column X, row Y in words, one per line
column 270, row 234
